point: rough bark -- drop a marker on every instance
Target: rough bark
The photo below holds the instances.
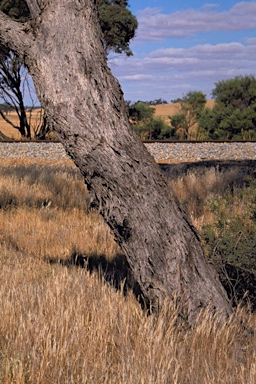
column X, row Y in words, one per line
column 63, row 51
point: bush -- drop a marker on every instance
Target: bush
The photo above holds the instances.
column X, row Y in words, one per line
column 230, row 242
column 154, row 129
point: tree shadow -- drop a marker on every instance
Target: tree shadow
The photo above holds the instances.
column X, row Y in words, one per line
column 115, row 272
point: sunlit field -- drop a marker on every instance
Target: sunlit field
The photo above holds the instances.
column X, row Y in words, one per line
column 161, row 110
column 34, row 119
column 67, row 316
column 166, row 110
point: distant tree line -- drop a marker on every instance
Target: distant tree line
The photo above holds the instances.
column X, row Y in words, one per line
column 5, row 108
column 232, row 117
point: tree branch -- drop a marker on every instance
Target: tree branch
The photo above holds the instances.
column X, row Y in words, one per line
column 4, row 137
column 15, row 36
column 7, row 120
column 34, row 8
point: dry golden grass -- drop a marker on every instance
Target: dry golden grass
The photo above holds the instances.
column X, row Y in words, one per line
column 13, row 133
column 62, row 324
column 161, row 110
column 194, row 190
column 165, row 110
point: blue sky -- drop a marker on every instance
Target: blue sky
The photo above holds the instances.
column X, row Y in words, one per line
column 186, row 46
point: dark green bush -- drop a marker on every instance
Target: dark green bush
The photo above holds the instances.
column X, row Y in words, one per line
column 230, row 242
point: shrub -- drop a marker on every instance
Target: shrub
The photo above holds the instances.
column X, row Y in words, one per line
column 230, row 241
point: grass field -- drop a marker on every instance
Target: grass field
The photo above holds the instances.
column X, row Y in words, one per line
column 166, row 110
column 61, row 323
column 162, row 110
column 7, row 130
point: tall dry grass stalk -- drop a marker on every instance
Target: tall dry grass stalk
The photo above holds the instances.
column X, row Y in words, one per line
column 195, row 190
column 62, row 324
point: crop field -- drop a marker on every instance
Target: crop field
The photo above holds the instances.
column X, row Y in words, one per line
column 161, row 110
column 66, row 315
column 165, row 110
column 7, row 130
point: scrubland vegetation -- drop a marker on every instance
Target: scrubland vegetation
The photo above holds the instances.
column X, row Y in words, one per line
column 61, row 323
column 232, row 116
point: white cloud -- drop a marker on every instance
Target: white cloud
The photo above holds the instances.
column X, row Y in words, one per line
column 137, row 77
column 210, row 5
column 171, row 72
column 251, row 41
column 154, row 25
column 181, row 59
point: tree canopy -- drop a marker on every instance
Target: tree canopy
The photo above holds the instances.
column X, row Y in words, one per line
column 233, row 115
column 118, row 25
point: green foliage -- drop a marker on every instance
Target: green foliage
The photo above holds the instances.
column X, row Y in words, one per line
column 192, row 105
column 230, row 242
column 157, row 102
column 147, row 127
column 233, row 116
column 154, row 129
column 179, row 125
column 118, row 25
column 140, row 112
column 240, row 92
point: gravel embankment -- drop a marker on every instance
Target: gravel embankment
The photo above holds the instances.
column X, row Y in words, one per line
column 187, row 152
column 162, row 152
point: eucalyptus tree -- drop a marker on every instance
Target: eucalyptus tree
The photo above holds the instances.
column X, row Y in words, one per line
column 85, row 106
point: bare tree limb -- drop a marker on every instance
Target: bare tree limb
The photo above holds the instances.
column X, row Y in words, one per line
column 34, row 8
column 7, row 120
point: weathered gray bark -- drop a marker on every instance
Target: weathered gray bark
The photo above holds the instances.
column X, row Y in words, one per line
column 63, row 51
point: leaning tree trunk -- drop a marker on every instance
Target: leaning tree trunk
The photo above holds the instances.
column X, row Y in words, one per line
column 64, row 53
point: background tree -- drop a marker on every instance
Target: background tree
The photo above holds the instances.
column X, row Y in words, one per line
column 157, row 102
column 12, row 73
column 157, row 129
column 84, row 104
column 11, row 84
column 179, row 126
column 192, row 105
column 233, row 115
column 146, row 126
column 140, row 112
column 153, row 129
column 15, row 82
column 118, row 26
